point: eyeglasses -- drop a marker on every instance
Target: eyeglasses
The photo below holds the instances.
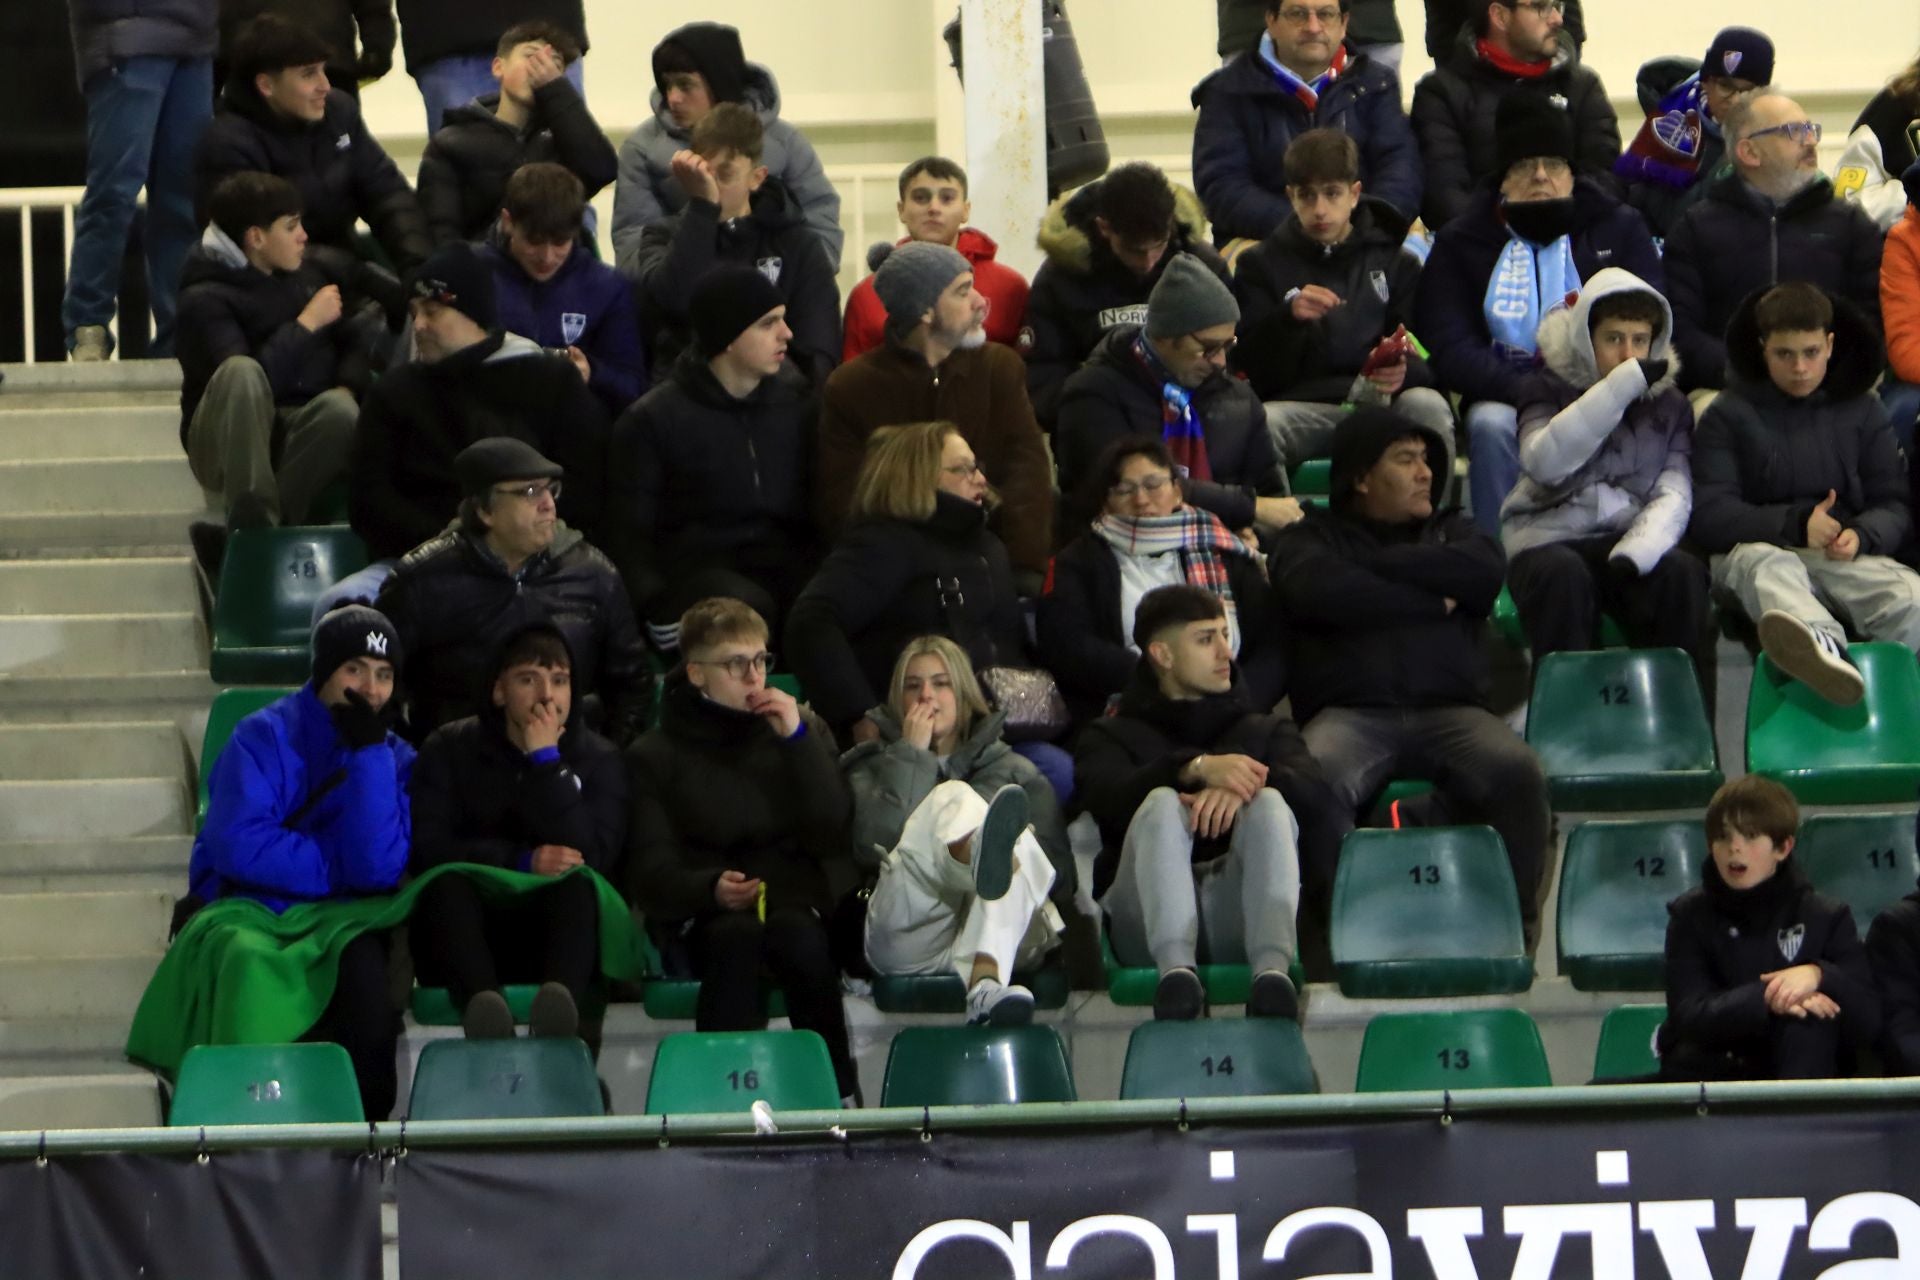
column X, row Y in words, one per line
column 1801, row 132
column 1213, row 350
column 963, row 470
column 1298, row 17
column 740, row 664
column 1543, row 6
column 532, row 492
column 1145, row 484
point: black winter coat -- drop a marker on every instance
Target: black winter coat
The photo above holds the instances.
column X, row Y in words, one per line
column 1113, row 396
column 888, row 581
column 1734, row 241
column 1719, row 942
column 477, row 798
column 1450, row 313
column 434, row 29
column 334, row 21
column 695, row 476
column 1376, row 279
column 1893, row 950
column 417, row 417
column 1083, row 638
column 715, row 790
column 774, row 238
column 464, row 171
column 1150, row 739
column 341, row 170
column 105, row 31
column 1763, row 460
column 1454, row 106
column 454, row 604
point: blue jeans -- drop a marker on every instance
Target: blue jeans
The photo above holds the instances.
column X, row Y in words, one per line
column 1493, row 460
column 1902, row 401
column 458, row 80
column 144, row 119
column 1055, row 765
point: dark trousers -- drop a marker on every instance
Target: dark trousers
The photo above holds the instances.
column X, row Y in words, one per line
column 1560, row 591
column 730, row 951
column 361, row 1019
column 766, row 581
column 469, row 945
column 1795, row 1049
column 1481, row 768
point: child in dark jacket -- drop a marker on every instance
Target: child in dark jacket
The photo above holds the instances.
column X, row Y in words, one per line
column 1766, row 978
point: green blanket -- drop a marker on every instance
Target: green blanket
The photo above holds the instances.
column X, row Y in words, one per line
column 240, row 974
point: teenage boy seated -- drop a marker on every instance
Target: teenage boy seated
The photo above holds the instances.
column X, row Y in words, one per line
column 1766, row 978
column 1594, row 525
column 548, row 288
column 517, row 786
column 1324, row 304
column 273, row 351
column 736, row 213
column 738, row 802
column 1203, row 803
column 1799, row 487
column 537, row 116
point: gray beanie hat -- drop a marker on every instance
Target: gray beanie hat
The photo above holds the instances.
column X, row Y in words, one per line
column 1189, row 298
column 913, row 277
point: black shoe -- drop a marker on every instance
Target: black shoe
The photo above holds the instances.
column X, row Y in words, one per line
column 554, row 1013
column 1272, row 995
column 209, row 539
column 1180, row 997
column 487, row 1017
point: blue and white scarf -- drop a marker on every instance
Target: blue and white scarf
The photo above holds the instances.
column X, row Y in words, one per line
column 1528, row 281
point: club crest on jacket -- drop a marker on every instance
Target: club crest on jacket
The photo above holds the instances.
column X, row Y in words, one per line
column 1790, row 940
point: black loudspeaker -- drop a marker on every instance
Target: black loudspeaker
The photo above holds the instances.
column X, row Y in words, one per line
column 1076, row 143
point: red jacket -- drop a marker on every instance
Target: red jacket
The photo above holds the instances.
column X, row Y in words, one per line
column 1005, row 288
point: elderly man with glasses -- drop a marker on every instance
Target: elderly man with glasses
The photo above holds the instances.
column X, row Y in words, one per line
column 1301, row 75
column 1507, row 45
column 1774, row 219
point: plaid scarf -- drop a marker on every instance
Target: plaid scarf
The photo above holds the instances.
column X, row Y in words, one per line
column 1307, row 91
column 1180, row 425
column 1197, row 537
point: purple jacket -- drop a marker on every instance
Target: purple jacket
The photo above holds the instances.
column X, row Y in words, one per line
column 586, row 304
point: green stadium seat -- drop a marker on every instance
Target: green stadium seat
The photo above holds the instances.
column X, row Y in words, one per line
column 518, row 1079
column 1626, row 1042
column 1133, row 986
column 945, row 993
column 1217, row 1058
column 1313, row 477
column 1615, row 885
column 1622, row 729
column 1506, row 621
column 266, row 1084
column 1457, row 884
column 230, row 707
column 787, row 683
column 1465, row 1049
column 975, row 1066
column 1866, row 860
column 1868, row 753
column 696, row 1072
column 675, row 999
column 433, row 1006
column 263, row 612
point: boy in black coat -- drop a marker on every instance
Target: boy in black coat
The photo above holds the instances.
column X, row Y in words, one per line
column 1766, row 979
column 517, row 786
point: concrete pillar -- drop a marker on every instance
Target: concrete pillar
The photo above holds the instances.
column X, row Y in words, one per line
column 949, row 103
column 1006, row 125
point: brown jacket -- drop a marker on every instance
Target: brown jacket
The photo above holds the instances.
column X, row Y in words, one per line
column 983, row 392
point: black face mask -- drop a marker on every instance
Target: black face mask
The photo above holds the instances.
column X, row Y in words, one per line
column 1541, row 221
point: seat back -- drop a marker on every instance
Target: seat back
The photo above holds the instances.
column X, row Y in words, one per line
column 730, row 1070
column 1622, row 729
column 1456, row 882
column 1866, row 860
column 1626, row 1042
column 265, row 1084
column 1868, row 753
column 1463, row 1049
column 516, row 1079
column 1217, row 1058
column 968, row 1066
column 229, row 708
column 1615, row 884
column 269, row 581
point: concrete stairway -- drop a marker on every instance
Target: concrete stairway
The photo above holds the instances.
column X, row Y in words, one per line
column 103, row 694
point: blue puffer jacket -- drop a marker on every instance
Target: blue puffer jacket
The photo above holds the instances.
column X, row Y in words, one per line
column 1247, row 121
column 586, row 304
column 354, row 841
column 105, row 31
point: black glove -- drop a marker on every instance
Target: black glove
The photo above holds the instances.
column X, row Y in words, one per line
column 373, row 64
column 1622, row 569
column 357, row 723
column 1654, row 370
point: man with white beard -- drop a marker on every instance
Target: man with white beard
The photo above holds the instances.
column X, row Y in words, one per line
column 1774, row 219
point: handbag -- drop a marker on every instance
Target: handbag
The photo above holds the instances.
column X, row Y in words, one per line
column 1035, row 709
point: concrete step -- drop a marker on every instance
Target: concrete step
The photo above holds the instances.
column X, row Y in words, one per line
column 95, row 810
column 32, row 1046
column 108, row 749
column 101, row 643
column 98, row 864
column 52, row 925
column 110, row 431
column 125, row 1099
column 156, row 483
column 97, row 586
column 103, row 987
column 63, row 376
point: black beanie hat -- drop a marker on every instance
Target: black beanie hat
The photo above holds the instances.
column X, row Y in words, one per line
column 1527, row 125
column 1740, row 53
column 458, row 277
column 1360, row 440
column 714, row 48
column 352, row 631
column 726, row 302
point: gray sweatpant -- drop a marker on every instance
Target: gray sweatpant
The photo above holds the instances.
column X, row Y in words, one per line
column 1167, row 910
column 230, row 444
column 1876, row 595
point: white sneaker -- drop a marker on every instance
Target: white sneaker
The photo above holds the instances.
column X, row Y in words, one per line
column 990, row 1003
column 1812, row 657
column 89, row 344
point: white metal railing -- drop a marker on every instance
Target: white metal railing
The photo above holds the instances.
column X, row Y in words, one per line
column 26, row 200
